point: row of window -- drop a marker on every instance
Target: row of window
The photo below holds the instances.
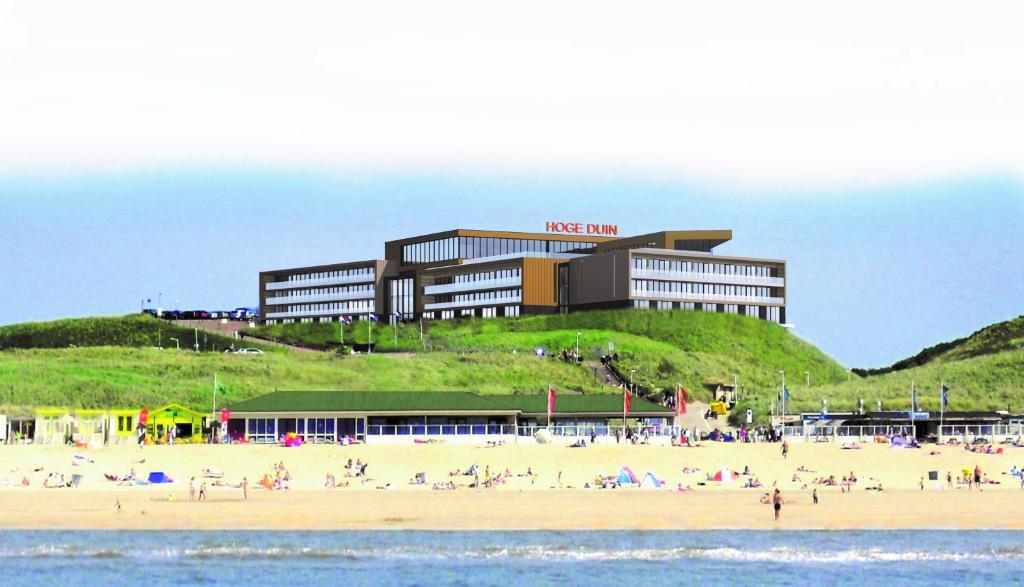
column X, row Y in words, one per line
column 502, row 294
column 769, row 313
column 354, row 306
column 650, row 285
column 124, row 423
column 320, row 291
column 475, row 247
column 641, row 264
column 482, row 276
column 469, row 312
column 358, row 271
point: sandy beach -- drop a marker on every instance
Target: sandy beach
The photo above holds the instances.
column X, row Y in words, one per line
column 387, row 500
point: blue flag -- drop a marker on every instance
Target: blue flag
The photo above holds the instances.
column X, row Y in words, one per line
column 945, row 397
column 785, row 393
column 346, row 319
column 373, row 317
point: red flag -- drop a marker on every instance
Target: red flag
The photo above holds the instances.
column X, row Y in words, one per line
column 680, row 401
column 627, row 401
column 225, row 415
column 143, row 416
column 551, row 401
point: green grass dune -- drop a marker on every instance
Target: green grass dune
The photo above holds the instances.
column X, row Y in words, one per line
column 114, row 362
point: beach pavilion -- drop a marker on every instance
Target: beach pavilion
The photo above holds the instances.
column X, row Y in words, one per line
column 186, row 422
column 395, row 416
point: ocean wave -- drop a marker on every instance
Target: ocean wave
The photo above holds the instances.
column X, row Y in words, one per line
column 548, row 553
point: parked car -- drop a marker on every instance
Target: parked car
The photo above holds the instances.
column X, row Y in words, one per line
column 171, row 315
column 249, row 351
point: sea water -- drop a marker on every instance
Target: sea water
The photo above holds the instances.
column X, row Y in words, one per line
column 511, row 558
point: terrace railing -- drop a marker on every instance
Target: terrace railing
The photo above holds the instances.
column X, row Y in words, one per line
column 969, row 432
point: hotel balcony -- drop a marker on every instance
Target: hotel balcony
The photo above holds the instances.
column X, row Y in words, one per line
column 472, row 286
column 474, row 303
column 708, row 278
column 341, row 280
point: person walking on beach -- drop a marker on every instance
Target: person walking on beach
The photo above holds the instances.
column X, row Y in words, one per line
column 785, row 449
column 202, row 492
column 777, row 503
column 977, row 476
column 922, row 483
column 814, row 496
column 245, row 488
column 949, row 479
column 192, row 488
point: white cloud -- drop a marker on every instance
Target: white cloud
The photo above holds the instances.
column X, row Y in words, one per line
column 777, row 92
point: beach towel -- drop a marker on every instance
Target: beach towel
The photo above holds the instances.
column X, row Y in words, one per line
column 159, row 477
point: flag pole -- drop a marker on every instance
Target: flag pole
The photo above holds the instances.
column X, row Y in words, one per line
column 626, row 392
column 369, row 333
column 549, row 405
column 913, row 400
column 942, row 405
column 423, row 343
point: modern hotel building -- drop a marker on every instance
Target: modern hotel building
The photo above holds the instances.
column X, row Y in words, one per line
column 464, row 273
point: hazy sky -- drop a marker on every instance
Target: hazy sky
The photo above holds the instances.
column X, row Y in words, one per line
column 181, row 149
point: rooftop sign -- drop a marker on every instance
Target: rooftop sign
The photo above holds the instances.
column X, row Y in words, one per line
column 582, row 228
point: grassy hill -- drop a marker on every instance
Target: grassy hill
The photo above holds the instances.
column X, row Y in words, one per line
column 133, row 330
column 118, row 376
column 984, row 382
column 995, row 338
column 664, row 348
column 114, row 362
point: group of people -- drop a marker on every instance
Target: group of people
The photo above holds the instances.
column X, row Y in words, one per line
column 278, row 478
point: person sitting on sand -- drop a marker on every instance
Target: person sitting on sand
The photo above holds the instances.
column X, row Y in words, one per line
column 766, row 498
column 329, row 482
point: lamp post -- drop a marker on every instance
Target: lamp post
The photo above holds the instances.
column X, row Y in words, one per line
column 578, row 346
column 632, row 384
column 176, row 344
column 808, row 375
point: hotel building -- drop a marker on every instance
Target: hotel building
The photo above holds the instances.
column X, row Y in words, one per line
column 466, row 273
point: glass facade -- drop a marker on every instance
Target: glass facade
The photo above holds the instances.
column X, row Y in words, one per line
column 401, row 294
column 474, row 247
column 711, row 266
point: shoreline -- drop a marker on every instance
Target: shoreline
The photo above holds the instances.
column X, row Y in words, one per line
column 552, row 510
